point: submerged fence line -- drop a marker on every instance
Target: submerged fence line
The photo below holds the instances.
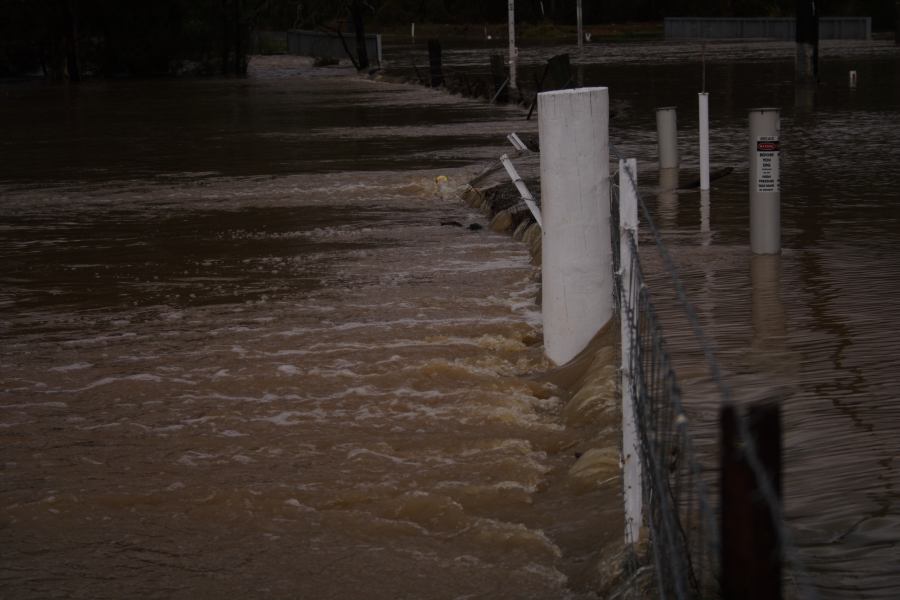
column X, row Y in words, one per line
column 686, row 540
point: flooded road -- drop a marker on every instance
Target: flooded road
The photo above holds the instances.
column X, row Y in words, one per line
column 241, row 355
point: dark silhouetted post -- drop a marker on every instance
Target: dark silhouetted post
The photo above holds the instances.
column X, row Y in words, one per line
column 434, row 60
column 897, row 22
column 807, row 63
column 751, row 555
column 362, row 53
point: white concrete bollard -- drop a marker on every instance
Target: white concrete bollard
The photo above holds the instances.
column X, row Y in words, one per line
column 577, row 292
column 631, row 453
column 667, row 135
column 853, row 79
column 765, row 181
column 704, row 139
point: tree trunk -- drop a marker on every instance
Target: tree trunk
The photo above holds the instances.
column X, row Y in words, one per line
column 362, row 53
column 226, row 38
column 240, row 52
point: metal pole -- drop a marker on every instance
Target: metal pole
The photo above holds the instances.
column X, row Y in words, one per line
column 631, row 475
column 667, row 135
column 704, row 140
column 512, row 44
column 577, row 290
column 580, row 29
column 765, row 181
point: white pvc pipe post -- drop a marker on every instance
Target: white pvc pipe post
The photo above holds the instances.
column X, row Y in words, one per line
column 704, row 140
column 667, row 136
column 523, row 190
column 853, row 79
column 512, row 44
column 412, row 32
column 631, row 457
column 765, row 181
column 577, row 291
column 517, row 142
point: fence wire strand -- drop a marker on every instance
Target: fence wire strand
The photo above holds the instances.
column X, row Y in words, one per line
column 681, row 519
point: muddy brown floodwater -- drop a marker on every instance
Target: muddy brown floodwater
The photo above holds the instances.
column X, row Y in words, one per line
column 241, row 355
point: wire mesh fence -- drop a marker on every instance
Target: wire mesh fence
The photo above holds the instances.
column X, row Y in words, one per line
column 686, row 547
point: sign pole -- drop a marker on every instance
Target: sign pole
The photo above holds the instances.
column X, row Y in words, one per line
column 765, row 181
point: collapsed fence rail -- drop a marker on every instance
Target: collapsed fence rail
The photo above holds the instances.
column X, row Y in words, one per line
column 668, row 489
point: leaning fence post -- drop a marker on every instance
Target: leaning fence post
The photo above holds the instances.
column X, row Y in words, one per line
column 631, row 458
column 498, row 75
column 523, row 189
column 765, row 181
column 577, row 290
column 751, row 555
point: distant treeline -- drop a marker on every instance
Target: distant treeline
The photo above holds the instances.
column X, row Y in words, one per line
column 71, row 39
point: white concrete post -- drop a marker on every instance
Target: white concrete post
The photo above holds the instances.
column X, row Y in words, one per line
column 765, row 181
column 512, row 44
column 667, row 136
column 631, row 457
column 577, row 291
column 704, row 140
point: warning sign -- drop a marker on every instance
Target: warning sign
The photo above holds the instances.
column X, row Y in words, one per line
column 768, row 176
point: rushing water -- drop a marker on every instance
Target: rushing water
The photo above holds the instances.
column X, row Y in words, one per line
column 816, row 328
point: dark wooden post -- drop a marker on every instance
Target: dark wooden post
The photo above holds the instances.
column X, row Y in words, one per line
column 807, row 36
column 498, row 75
column 434, row 60
column 359, row 28
column 751, row 555
column 559, row 73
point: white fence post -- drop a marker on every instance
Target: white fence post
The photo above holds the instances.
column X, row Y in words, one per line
column 631, row 458
column 704, row 140
column 577, row 291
